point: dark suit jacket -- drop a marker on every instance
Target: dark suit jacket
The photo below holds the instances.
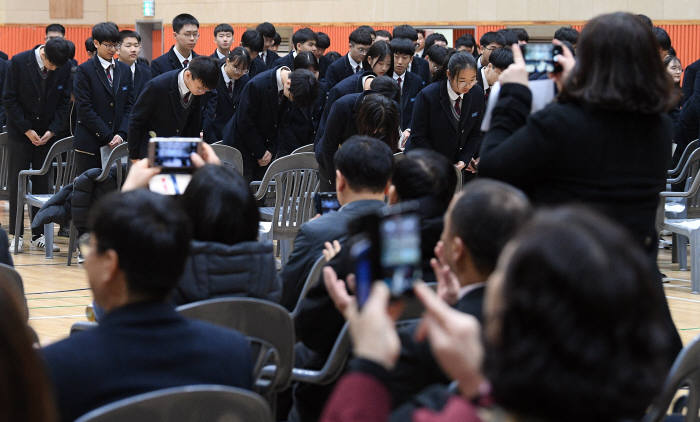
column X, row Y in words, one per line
column 167, row 62
column 287, row 60
column 297, row 128
column 435, row 127
column 5, row 257
column 27, row 106
column 141, row 77
column 339, row 70
column 159, row 109
column 4, row 65
column 103, row 110
column 340, row 125
column 421, row 67
column 257, row 66
column 691, row 80
column 3, row 55
column 323, row 64
column 139, row 348
column 412, row 84
column 221, row 107
column 216, row 56
column 350, row 85
column 270, row 58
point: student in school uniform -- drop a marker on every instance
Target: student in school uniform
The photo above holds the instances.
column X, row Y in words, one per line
column 186, row 32
column 254, row 129
column 252, row 41
column 499, row 60
column 409, row 83
column 268, row 32
column 489, row 42
column 353, row 62
column 223, row 102
column 304, row 39
column 276, row 43
column 223, row 38
column 419, row 65
column 171, row 104
column 129, row 51
column 447, row 114
column 36, row 97
column 322, row 44
column 103, row 89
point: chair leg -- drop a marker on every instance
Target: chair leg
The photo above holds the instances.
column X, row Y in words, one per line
column 285, row 250
column 19, row 221
column 682, row 253
column 48, row 236
column 695, row 264
column 674, row 248
column 73, row 233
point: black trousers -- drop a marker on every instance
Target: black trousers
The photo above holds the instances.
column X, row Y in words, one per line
column 85, row 161
column 24, row 154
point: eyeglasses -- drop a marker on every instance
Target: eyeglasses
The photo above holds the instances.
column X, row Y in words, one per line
column 84, row 244
column 239, row 70
column 110, row 45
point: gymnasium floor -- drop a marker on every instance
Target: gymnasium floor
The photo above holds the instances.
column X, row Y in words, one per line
column 57, row 295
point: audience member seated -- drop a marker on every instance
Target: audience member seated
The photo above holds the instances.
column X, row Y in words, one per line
column 134, row 256
column 225, row 257
column 557, row 269
column 5, row 257
column 25, row 391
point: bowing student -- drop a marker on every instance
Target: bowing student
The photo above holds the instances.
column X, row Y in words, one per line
column 447, row 114
column 353, row 61
column 304, row 39
column 103, row 89
column 129, row 50
column 223, row 102
column 253, row 42
column 186, row 33
column 409, row 83
column 171, row 104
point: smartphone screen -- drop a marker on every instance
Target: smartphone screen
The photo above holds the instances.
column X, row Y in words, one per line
column 361, row 255
column 400, row 255
column 326, row 202
column 173, row 155
column 539, row 57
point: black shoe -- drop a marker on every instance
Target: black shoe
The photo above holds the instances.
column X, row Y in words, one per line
column 63, row 232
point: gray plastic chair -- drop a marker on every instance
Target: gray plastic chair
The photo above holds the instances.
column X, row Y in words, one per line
column 192, row 403
column 230, row 157
column 10, row 276
column 4, row 166
column 268, row 326
column 120, row 152
column 677, row 208
column 305, row 148
column 64, row 173
column 692, row 146
column 685, row 372
column 311, row 280
column 296, row 179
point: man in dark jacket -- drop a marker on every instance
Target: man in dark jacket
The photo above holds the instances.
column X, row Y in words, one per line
column 186, row 32
column 419, row 65
column 129, row 54
column 409, row 83
column 268, row 32
column 353, row 62
column 36, row 97
column 142, row 344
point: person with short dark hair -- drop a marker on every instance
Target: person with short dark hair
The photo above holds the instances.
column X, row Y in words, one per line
column 509, row 36
column 499, row 60
column 54, row 30
column 323, row 43
column 254, row 128
column 409, row 83
column 436, row 56
column 447, row 115
column 186, row 33
column 223, row 102
column 369, row 29
column 90, row 48
column 487, row 43
column 435, row 38
column 36, row 97
column 466, row 43
column 129, row 50
column 332, row 56
column 353, row 62
column 645, row 20
column 567, row 33
column 171, row 104
column 418, row 65
column 253, row 42
column 269, row 34
column 383, row 35
column 523, row 36
column 104, row 94
column 420, row 42
column 304, row 39
column 276, row 43
column 664, row 41
column 134, row 256
column 223, row 38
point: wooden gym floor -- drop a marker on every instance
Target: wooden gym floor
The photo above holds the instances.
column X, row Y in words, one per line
column 57, row 295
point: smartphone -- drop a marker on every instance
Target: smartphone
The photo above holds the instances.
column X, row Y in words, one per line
column 363, row 267
column 172, row 155
column 326, row 202
column 400, row 248
column 539, row 57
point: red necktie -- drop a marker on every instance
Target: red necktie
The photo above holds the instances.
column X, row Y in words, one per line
column 186, row 98
column 357, row 69
column 185, row 63
column 230, row 88
column 399, row 81
column 458, row 109
column 109, row 74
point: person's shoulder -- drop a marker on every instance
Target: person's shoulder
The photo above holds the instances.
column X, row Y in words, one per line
column 338, row 63
column 23, row 56
column 123, row 67
column 64, row 351
column 432, row 90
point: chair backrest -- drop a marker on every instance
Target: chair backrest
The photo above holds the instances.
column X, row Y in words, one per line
column 230, row 157
column 188, row 403
column 115, row 157
column 60, row 160
column 311, row 280
column 296, row 180
column 10, row 276
column 4, row 162
column 685, row 372
column 265, row 323
column 305, row 148
column 692, row 146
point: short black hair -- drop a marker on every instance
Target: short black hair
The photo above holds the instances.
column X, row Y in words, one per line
column 365, row 162
column 490, row 38
column 438, row 55
column 501, row 58
column 323, row 40
column 421, row 173
column 406, row 31
column 379, row 117
column 383, row 33
column 361, row 36
column 420, row 31
column 645, row 20
column 150, row 234
column 380, row 50
column 460, row 61
column 128, row 33
column 57, row 51
column 303, row 87
column 205, row 69
column 567, row 33
column 386, row 86
column 253, row 40
column 105, row 32
column 71, row 53
column 306, row 60
column 266, row 29
column 509, row 36
column 435, row 36
column 522, row 34
column 403, row 46
column 55, row 27
column 90, row 46
column 220, row 206
column 277, row 39
column 332, row 56
column 184, row 19
column 466, row 40
column 369, row 29
column 223, row 27
column 303, row 35
column 662, row 37
column 239, row 56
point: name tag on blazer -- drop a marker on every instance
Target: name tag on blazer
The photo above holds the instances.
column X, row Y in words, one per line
column 475, row 114
column 413, row 99
column 124, row 88
column 60, row 87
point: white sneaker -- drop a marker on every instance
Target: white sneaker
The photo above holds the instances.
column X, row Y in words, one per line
column 81, row 258
column 40, row 242
column 12, row 243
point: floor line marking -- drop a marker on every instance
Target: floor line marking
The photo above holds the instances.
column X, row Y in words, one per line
column 683, row 299
column 57, row 316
